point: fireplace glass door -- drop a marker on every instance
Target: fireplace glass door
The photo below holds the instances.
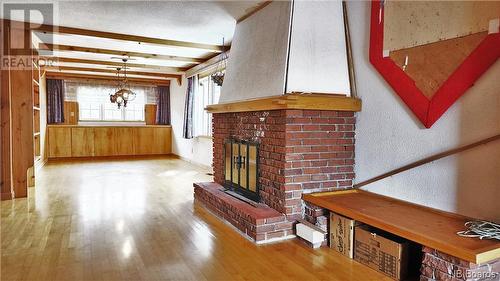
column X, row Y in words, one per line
column 241, row 168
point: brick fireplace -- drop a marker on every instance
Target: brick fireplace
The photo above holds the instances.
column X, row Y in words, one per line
column 300, row 151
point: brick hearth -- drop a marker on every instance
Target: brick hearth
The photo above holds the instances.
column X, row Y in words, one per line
column 260, row 223
column 301, row 151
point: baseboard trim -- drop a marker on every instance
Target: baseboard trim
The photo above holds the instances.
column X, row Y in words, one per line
column 113, row 157
column 191, row 161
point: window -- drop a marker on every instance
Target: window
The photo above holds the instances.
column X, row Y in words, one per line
column 94, row 105
column 206, row 92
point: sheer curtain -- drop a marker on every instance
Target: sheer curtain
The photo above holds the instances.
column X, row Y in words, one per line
column 55, row 101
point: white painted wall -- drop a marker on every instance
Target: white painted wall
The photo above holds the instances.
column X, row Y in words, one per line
column 388, row 136
column 197, row 150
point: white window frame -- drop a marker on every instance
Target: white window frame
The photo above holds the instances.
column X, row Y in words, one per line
column 107, row 105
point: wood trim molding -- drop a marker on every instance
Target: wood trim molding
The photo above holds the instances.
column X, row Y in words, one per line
column 259, row 7
column 427, row 160
column 209, row 63
column 125, row 37
column 314, row 101
column 70, row 48
column 66, row 75
column 113, row 63
column 112, row 71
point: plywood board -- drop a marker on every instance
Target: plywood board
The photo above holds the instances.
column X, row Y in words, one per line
column 257, row 64
column 414, row 23
column 432, row 64
column 318, row 57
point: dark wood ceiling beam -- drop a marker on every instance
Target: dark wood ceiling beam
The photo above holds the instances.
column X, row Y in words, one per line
column 55, row 47
column 115, row 63
column 126, row 37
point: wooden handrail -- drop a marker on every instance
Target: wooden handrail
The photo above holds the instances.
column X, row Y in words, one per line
column 427, row 160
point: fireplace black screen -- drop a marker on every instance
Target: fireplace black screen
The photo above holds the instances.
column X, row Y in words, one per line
column 241, row 168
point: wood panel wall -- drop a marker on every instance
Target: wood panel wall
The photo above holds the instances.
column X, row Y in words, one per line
column 71, row 113
column 17, row 118
column 87, row 141
column 150, row 114
column 5, row 123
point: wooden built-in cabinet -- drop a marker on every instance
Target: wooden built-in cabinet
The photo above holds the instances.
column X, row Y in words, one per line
column 89, row 141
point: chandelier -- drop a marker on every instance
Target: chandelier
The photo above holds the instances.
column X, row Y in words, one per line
column 122, row 94
column 218, row 75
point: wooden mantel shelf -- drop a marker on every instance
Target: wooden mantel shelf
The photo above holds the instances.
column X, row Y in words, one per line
column 429, row 227
column 290, row 101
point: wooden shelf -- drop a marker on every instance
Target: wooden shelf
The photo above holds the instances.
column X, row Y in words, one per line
column 429, row 227
column 291, row 101
column 37, row 142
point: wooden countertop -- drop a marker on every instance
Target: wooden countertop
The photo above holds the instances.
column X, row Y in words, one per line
column 430, row 227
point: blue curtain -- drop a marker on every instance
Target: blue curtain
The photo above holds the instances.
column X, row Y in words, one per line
column 188, row 110
column 163, row 105
column 55, row 101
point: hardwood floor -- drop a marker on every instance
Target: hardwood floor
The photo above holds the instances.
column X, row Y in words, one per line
column 136, row 220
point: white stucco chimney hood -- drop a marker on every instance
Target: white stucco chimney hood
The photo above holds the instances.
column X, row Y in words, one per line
column 288, row 47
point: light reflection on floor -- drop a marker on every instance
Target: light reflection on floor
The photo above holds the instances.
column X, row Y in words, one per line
column 136, row 220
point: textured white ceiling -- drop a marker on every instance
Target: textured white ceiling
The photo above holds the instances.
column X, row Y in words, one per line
column 194, row 21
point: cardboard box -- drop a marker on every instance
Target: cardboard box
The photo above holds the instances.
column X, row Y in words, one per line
column 342, row 234
column 381, row 251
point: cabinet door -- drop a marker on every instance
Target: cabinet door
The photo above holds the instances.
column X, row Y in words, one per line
column 124, row 140
column 82, row 142
column 144, row 141
column 104, row 141
column 161, row 140
column 59, row 142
